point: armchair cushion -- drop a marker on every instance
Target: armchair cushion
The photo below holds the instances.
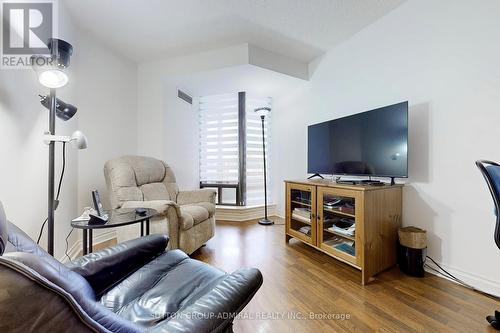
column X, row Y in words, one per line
column 227, row 296
column 135, row 178
column 155, row 281
column 155, row 191
column 210, row 207
column 192, row 215
column 106, row 268
column 189, row 296
column 195, row 196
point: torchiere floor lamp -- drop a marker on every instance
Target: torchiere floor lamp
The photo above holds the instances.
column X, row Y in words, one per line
column 263, row 112
column 50, row 70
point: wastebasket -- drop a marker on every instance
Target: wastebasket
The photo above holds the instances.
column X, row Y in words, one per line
column 412, row 251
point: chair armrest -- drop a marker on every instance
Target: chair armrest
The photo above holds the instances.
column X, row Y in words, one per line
column 161, row 206
column 215, row 310
column 167, row 210
column 103, row 269
column 195, row 196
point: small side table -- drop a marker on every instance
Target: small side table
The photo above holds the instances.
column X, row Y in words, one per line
column 117, row 218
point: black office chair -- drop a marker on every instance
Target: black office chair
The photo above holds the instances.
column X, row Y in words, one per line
column 491, row 172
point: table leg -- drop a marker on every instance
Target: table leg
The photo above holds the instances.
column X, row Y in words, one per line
column 90, row 240
column 147, row 227
column 142, row 228
column 84, row 241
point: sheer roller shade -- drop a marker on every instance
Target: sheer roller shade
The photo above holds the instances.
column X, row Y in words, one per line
column 219, row 143
column 219, row 138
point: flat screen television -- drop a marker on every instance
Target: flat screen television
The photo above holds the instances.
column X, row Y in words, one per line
column 371, row 143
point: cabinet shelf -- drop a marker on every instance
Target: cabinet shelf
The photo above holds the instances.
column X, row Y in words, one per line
column 335, row 211
column 301, row 221
column 301, row 203
column 352, row 238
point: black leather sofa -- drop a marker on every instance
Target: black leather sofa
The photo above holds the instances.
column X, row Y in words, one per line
column 135, row 286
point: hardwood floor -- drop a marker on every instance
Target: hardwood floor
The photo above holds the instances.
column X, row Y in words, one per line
column 299, row 281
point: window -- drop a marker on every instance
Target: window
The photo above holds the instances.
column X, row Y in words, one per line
column 228, row 123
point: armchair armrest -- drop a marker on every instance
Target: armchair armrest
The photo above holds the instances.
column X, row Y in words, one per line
column 215, row 310
column 195, row 196
column 103, row 269
column 161, row 206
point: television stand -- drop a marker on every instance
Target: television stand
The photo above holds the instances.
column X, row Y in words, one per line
column 374, row 211
column 316, row 175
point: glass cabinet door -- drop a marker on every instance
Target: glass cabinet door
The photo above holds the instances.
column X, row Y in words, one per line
column 301, row 212
column 337, row 223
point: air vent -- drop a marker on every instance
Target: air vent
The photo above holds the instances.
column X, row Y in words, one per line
column 185, row 97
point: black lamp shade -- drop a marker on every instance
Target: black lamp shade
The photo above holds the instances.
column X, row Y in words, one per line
column 64, row 110
column 61, row 51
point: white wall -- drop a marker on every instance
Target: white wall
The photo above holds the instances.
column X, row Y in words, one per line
column 443, row 57
column 181, row 137
column 107, row 102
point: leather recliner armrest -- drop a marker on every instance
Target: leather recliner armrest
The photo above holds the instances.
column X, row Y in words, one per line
column 215, row 310
column 104, row 269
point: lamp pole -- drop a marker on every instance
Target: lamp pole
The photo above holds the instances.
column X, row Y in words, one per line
column 265, row 220
column 265, row 171
column 51, row 202
column 50, row 70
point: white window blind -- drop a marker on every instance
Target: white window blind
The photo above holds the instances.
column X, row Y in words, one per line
column 254, row 159
column 219, row 146
column 219, row 138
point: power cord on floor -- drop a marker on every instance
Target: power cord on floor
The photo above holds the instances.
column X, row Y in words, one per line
column 445, row 273
column 56, row 201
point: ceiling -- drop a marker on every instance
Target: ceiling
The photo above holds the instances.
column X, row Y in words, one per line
column 249, row 78
column 145, row 30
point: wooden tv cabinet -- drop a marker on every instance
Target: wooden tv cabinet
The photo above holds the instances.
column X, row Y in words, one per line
column 375, row 210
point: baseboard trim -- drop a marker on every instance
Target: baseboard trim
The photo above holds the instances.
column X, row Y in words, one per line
column 76, row 248
column 479, row 282
column 244, row 213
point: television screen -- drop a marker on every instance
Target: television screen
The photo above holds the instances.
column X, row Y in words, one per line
column 372, row 143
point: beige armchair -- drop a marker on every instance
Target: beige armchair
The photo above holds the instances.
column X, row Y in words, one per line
column 187, row 217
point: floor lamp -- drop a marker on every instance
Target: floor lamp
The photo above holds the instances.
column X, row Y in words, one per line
column 50, row 71
column 263, row 112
